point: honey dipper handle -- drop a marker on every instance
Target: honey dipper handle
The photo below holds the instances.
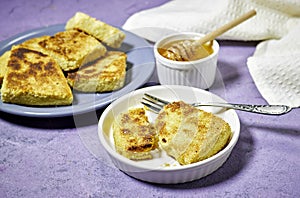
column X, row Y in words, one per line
column 212, row 35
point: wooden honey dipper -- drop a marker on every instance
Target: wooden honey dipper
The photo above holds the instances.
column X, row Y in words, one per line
column 187, row 50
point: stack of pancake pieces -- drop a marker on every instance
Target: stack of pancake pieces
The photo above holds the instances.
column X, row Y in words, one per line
column 43, row 71
column 185, row 133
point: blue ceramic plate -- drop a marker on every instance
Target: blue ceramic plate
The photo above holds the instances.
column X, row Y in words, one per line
column 140, row 66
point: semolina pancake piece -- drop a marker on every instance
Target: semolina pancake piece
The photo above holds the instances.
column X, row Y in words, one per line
column 71, row 49
column 34, row 43
column 111, row 36
column 105, row 74
column 3, row 65
column 31, row 43
column 134, row 136
column 35, row 79
column 189, row 134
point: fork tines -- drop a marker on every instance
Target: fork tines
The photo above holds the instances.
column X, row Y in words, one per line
column 153, row 103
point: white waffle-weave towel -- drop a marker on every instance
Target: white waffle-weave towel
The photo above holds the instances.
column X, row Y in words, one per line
column 275, row 69
column 275, row 19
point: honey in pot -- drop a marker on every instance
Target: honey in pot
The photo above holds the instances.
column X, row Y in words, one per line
column 183, row 50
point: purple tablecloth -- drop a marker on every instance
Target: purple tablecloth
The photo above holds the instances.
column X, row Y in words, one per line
column 61, row 157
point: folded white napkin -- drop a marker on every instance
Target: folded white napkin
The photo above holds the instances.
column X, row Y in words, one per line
column 275, row 19
column 275, row 69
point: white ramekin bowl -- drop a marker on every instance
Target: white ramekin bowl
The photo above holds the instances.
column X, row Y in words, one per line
column 199, row 73
column 162, row 168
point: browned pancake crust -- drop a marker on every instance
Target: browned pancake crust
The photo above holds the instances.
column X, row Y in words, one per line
column 105, row 74
column 34, row 78
column 71, row 49
column 134, row 136
column 3, row 65
column 189, row 134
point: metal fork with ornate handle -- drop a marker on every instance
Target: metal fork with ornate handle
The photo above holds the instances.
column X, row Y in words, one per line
column 156, row 104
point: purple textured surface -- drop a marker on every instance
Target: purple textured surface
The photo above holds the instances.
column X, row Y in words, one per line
column 61, row 157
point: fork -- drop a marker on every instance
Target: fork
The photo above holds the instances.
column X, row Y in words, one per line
column 156, row 104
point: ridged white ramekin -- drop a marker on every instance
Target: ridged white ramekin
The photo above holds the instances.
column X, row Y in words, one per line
column 199, row 73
